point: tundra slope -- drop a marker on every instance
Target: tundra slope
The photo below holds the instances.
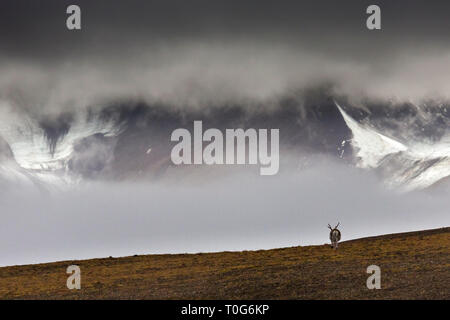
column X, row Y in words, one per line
column 414, row 265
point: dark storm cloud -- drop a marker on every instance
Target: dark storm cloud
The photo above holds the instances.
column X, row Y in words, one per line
column 201, row 53
column 30, row 28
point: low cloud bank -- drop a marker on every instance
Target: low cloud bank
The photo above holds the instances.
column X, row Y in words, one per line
column 199, row 76
column 240, row 212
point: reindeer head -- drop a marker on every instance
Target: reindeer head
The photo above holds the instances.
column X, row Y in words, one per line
column 334, row 227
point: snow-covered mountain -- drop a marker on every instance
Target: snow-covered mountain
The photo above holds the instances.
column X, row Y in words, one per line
column 38, row 155
column 408, row 165
column 408, row 147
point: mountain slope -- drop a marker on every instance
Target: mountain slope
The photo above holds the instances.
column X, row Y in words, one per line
column 414, row 265
column 412, row 166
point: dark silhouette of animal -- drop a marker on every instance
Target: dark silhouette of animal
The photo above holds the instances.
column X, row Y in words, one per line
column 335, row 236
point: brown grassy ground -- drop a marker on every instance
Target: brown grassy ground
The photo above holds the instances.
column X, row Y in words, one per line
column 413, row 265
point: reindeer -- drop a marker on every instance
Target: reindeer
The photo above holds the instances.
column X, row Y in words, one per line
column 335, row 236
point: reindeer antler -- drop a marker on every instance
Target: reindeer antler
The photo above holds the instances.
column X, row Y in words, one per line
column 337, row 225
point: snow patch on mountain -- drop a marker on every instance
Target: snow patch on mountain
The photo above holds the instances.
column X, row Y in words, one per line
column 408, row 165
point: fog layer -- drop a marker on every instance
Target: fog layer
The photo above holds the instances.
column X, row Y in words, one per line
column 241, row 212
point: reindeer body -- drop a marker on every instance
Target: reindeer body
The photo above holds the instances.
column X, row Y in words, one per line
column 335, row 236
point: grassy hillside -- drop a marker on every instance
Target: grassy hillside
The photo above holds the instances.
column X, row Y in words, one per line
column 414, row 265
